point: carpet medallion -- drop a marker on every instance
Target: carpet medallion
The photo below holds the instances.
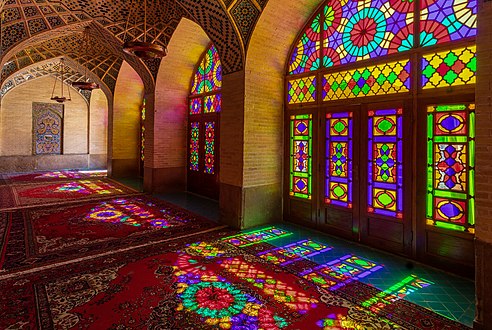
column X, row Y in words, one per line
column 30, row 195
column 36, row 237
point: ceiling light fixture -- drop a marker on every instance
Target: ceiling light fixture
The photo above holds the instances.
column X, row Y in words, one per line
column 61, row 98
column 85, row 48
column 139, row 46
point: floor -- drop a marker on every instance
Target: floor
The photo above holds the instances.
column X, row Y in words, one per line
column 444, row 293
column 447, row 294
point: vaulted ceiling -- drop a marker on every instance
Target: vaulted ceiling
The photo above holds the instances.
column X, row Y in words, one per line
column 36, row 31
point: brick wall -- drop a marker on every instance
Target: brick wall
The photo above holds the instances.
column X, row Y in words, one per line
column 125, row 137
column 98, row 123
column 268, row 53
column 16, row 119
column 188, row 43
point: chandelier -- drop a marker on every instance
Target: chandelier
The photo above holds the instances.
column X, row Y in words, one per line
column 61, row 98
column 85, row 48
column 142, row 45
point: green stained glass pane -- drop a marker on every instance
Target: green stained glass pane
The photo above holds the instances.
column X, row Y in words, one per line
column 429, row 71
column 454, row 107
column 392, row 77
column 451, row 226
column 450, row 59
column 472, row 65
column 450, row 77
column 366, row 89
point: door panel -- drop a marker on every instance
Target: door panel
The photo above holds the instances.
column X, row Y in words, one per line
column 364, row 175
column 203, row 155
column 386, row 219
column 340, row 153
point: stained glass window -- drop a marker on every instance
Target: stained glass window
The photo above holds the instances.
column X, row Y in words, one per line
column 306, row 54
column 194, row 145
column 208, row 77
column 385, row 162
column 339, row 149
column 352, row 31
column 195, row 106
column 449, row 68
column 212, row 103
column 301, row 136
column 301, row 90
column 209, row 147
column 445, row 20
column 205, row 104
column 380, row 79
column 451, row 166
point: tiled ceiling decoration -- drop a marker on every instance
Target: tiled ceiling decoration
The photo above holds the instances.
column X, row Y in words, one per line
column 46, row 69
column 98, row 59
column 36, row 30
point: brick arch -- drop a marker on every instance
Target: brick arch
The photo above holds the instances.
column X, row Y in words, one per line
column 71, row 63
column 216, row 22
column 167, row 124
column 268, row 53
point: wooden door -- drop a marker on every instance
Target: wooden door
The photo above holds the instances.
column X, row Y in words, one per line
column 339, row 171
column 446, row 210
column 203, row 155
column 366, row 171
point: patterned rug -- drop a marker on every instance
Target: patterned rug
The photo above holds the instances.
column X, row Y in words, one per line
column 49, row 176
column 191, row 284
column 30, row 195
column 198, row 286
column 37, row 237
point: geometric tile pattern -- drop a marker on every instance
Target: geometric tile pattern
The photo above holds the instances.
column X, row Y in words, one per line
column 449, row 68
column 245, row 14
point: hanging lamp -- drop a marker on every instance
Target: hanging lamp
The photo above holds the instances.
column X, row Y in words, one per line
column 142, row 46
column 61, row 98
column 85, row 48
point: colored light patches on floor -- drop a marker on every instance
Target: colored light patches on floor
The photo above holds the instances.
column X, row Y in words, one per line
column 133, row 213
column 292, row 252
column 339, row 272
column 400, row 290
column 334, row 322
column 60, row 175
column 95, row 173
column 224, row 306
column 204, row 249
column 279, row 290
column 256, row 236
column 86, row 187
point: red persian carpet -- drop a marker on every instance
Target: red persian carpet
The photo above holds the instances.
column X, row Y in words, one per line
column 36, row 237
column 29, row 195
column 49, row 176
column 200, row 282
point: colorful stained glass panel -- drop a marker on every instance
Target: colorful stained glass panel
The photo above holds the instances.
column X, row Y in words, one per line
column 447, row 20
column 194, row 145
column 385, row 162
column 449, row 68
column 451, row 167
column 301, row 90
column 306, row 55
column 339, row 149
column 358, row 30
column 208, row 76
column 196, row 106
column 300, row 156
column 209, row 147
column 381, row 79
column 212, row 103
